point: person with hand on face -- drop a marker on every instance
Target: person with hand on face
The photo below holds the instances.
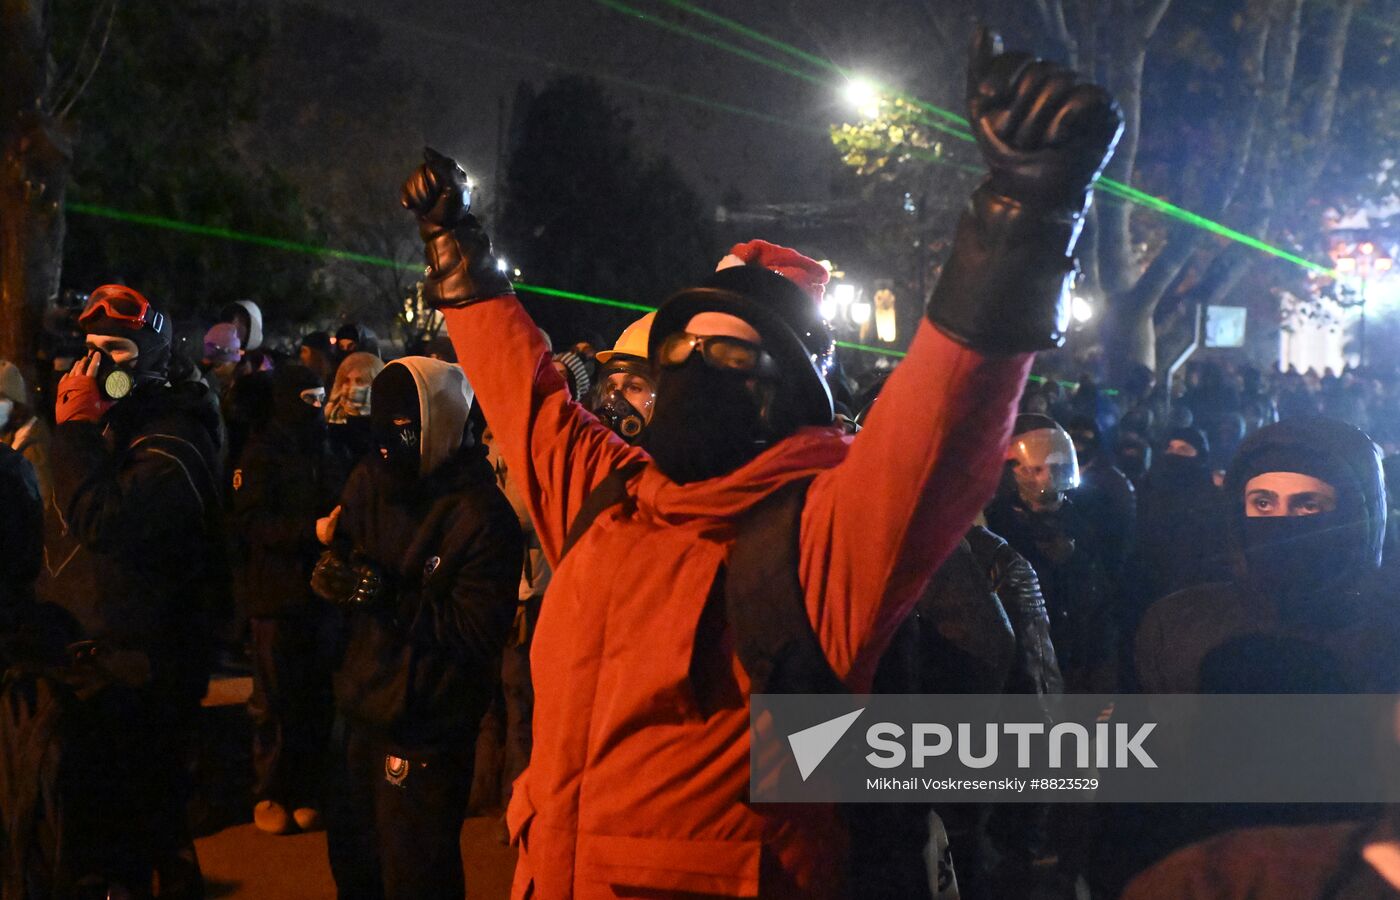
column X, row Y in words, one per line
column 647, row 800
column 279, row 489
column 135, row 561
column 424, row 560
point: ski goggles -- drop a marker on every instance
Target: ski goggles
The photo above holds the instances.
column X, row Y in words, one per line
column 122, row 305
column 719, row 352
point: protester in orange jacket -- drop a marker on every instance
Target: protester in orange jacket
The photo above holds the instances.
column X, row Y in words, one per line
column 639, row 775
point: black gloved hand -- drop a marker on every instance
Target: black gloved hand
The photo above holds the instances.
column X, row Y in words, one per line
column 461, row 267
column 1045, row 135
column 1046, row 138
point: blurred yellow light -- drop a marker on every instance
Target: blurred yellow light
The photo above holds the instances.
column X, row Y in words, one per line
column 1346, row 264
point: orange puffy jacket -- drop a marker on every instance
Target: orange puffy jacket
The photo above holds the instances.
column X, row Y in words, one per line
column 638, row 778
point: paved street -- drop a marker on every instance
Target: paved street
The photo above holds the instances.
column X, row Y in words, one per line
column 241, row 862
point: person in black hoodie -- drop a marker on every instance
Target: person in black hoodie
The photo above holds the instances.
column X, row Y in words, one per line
column 1182, row 539
column 1306, row 516
column 280, row 489
column 134, row 561
column 426, row 559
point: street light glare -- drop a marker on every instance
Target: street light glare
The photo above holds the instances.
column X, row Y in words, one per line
column 863, row 96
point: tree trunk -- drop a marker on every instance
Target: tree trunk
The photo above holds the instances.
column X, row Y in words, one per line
column 33, row 177
column 35, row 152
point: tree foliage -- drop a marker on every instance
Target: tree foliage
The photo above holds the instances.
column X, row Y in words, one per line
column 587, row 209
column 162, row 127
column 1257, row 113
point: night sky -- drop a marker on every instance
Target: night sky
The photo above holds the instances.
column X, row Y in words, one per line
column 484, row 50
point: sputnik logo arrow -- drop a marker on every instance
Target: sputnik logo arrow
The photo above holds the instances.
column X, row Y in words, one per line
column 811, row 745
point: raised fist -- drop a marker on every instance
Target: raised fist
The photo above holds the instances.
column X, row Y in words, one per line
column 461, row 267
column 437, row 192
column 1046, row 136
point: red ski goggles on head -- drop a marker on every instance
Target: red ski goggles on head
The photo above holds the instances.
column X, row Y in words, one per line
column 122, row 305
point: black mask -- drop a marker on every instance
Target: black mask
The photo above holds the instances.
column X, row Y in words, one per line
column 1297, row 560
column 1133, row 458
column 1172, row 470
column 706, row 422
column 397, row 422
column 622, row 417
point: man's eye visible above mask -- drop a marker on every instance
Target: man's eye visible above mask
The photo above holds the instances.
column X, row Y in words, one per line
column 1261, row 503
column 401, row 421
column 1310, row 504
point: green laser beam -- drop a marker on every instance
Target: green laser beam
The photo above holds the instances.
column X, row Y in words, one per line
column 458, row 39
column 152, row 221
column 740, row 52
column 1107, row 185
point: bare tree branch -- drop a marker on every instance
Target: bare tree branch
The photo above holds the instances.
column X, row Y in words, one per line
column 64, row 105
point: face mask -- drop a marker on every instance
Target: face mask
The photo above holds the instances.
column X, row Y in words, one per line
column 1134, row 459
column 399, row 446
column 7, row 408
column 622, row 417
column 1178, row 470
column 706, row 422
column 1294, row 560
column 357, row 400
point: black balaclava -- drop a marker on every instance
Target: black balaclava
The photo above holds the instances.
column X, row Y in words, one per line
column 297, row 418
column 1134, row 456
column 1174, row 471
column 395, row 396
column 1294, row 559
column 705, row 422
column 1309, row 566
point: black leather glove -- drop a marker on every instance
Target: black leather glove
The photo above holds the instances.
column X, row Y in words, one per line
column 356, row 583
column 1046, row 138
column 461, row 267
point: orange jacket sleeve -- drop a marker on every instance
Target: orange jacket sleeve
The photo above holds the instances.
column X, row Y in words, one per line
column 876, row 527
column 558, row 449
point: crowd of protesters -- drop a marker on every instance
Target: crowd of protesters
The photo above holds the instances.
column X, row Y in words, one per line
column 484, row 574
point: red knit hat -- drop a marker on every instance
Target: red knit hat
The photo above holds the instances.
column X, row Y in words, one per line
column 806, row 273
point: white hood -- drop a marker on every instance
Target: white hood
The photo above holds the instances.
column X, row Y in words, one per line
column 255, row 328
column 444, row 399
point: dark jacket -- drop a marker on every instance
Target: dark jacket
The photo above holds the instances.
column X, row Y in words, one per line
column 1319, row 862
column 280, row 488
column 1060, row 546
column 420, row 664
column 134, row 550
column 21, row 531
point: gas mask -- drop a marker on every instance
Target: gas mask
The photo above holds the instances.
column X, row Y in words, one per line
column 1045, row 466
column 621, row 417
column 116, row 380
